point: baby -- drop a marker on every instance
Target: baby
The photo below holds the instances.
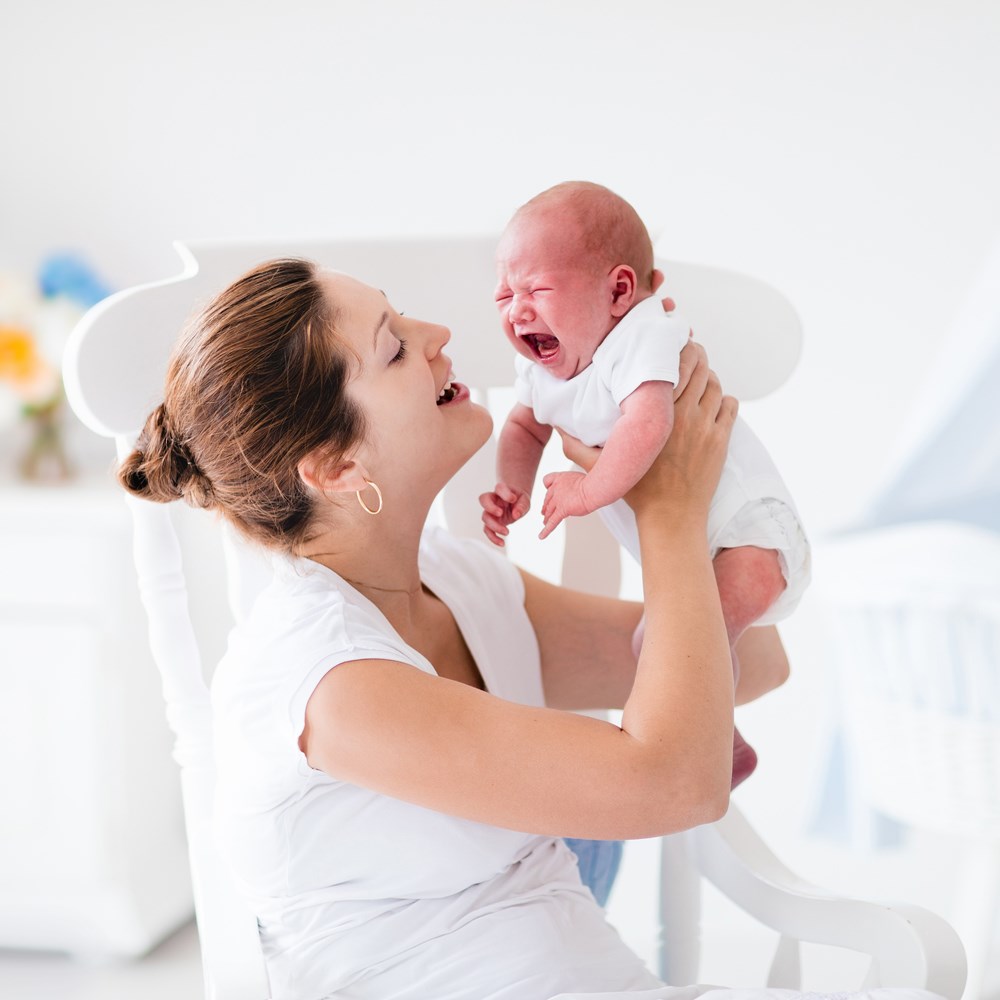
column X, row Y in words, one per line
column 597, row 357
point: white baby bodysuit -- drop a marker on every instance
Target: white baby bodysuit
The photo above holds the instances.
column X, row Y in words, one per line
column 752, row 505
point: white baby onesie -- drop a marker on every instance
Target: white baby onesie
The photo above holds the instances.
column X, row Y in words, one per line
column 752, row 505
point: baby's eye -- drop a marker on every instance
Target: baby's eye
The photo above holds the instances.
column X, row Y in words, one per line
column 401, row 353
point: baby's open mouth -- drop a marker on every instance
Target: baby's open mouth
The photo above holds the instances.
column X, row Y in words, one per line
column 542, row 345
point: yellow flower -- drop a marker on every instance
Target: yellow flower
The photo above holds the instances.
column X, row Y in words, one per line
column 18, row 358
column 21, row 364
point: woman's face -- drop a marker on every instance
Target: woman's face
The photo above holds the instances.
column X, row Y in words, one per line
column 419, row 435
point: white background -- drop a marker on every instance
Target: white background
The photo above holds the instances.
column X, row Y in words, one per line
column 848, row 153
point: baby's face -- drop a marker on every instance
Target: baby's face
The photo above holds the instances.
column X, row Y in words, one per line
column 555, row 305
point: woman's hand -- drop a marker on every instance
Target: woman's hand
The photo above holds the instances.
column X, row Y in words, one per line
column 579, row 453
column 693, row 356
column 686, row 473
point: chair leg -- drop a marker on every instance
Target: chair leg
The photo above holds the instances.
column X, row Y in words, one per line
column 680, row 910
column 786, row 966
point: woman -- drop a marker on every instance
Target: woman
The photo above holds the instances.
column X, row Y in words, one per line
column 396, row 763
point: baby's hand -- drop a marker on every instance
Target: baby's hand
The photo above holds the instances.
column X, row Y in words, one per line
column 566, row 497
column 502, row 507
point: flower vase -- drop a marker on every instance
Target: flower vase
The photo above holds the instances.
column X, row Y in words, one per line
column 45, row 457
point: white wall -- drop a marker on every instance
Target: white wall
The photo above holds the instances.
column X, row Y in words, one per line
column 849, row 153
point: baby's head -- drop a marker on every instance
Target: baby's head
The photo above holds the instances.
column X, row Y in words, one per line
column 570, row 264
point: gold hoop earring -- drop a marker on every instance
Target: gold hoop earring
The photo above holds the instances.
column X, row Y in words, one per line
column 378, row 493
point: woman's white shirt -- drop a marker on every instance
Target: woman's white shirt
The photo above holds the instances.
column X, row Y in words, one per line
column 362, row 895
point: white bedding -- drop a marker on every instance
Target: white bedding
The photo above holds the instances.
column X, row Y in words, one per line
column 762, row 993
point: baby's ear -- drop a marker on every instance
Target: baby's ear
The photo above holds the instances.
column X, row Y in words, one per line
column 623, row 285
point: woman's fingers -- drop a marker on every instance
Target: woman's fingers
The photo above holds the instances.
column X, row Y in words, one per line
column 688, row 469
column 576, row 451
column 728, row 410
column 692, row 357
column 693, row 378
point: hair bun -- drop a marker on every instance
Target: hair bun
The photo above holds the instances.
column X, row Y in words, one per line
column 162, row 467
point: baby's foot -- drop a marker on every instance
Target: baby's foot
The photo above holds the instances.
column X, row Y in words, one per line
column 744, row 759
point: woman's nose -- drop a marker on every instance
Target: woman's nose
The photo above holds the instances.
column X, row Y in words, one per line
column 437, row 336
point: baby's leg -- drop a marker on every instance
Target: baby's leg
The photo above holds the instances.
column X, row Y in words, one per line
column 749, row 581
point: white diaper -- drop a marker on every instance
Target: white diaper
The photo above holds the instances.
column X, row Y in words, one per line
column 751, row 506
column 769, row 523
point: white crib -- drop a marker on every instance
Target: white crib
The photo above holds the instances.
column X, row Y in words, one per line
column 911, row 596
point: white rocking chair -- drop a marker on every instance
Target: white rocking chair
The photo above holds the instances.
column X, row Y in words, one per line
column 114, row 372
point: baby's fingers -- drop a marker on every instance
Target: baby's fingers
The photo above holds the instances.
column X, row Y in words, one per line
column 552, row 521
column 505, row 493
column 493, row 537
column 491, row 503
column 494, row 529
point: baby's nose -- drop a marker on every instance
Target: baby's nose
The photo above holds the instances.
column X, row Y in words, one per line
column 519, row 310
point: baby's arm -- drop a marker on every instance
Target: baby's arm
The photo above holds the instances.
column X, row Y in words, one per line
column 519, row 451
column 637, row 437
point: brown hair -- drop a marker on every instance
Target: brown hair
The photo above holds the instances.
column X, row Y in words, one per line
column 255, row 384
column 610, row 229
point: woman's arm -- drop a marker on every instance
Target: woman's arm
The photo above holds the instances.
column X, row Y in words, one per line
column 585, row 643
column 452, row 748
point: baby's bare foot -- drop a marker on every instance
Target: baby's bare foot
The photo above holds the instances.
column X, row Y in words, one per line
column 744, row 759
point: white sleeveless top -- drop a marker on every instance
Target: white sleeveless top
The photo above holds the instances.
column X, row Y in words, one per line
column 360, row 895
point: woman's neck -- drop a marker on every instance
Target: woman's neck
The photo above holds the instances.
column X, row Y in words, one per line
column 377, row 556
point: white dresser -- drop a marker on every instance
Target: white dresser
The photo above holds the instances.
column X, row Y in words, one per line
column 92, row 847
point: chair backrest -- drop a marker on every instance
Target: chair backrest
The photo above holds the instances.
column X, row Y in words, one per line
column 114, row 370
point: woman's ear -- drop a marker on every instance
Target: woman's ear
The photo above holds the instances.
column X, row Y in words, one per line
column 319, row 473
column 622, row 281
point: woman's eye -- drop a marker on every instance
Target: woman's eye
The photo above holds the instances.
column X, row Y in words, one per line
column 400, row 354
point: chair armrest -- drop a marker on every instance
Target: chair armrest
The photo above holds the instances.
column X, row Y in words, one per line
column 909, row 946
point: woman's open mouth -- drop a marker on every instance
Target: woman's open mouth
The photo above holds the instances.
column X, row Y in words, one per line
column 451, row 393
